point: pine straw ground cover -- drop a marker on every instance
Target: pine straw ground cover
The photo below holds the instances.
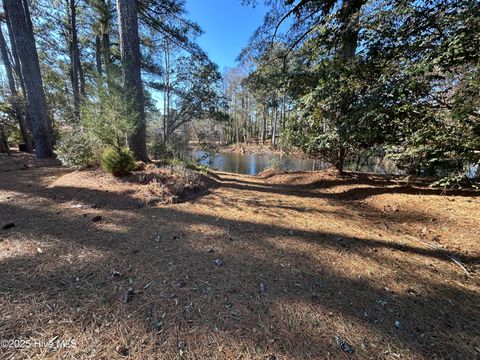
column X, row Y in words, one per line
column 303, row 258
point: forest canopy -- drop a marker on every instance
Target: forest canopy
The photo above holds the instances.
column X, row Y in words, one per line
column 334, row 79
column 396, row 78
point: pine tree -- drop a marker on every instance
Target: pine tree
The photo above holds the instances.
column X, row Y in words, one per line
column 131, row 68
column 22, row 33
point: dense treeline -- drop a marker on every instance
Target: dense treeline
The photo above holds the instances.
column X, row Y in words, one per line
column 333, row 78
column 390, row 78
column 86, row 75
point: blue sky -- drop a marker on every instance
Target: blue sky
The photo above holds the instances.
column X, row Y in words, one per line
column 228, row 26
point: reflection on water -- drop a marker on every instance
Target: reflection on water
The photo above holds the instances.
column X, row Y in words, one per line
column 474, row 171
column 252, row 164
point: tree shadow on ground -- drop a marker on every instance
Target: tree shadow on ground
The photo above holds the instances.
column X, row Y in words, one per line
column 309, row 293
column 373, row 185
column 305, row 303
column 91, row 197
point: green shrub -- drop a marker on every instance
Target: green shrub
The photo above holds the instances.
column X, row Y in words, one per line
column 117, row 161
column 75, row 149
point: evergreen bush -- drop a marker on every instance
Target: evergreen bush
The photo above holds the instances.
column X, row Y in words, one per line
column 117, row 161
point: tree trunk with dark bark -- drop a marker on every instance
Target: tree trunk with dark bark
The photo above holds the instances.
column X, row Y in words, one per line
column 102, row 40
column 74, row 57
column 264, row 126
column 166, row 93
column 106, row 54
column 16, row 60
column 349, row 27
column 275, row 123
column 6, row 63
column 16, row 65
column 81, row 76
column 349, row 17
column 30, row 68
column 14, row 98
column 98, row 54
column 131, row 63
column 3, row 142
column 27, row 15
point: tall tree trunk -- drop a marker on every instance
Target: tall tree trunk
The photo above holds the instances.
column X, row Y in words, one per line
column 6, row 63
column 106, row 54
column 275, row 123
column 235, row 119
column 349, row 27
column 74, row 57
column 16, row 66
column 27, row 15
column 3, row 142
column 247, row 121
column 30, row 68
column 15, row 101
column 166, row 93
column 16, row 60
column 165, row 115
column 264, row 126
column 274, row 128
column 131, row 63
column 81, row 76
column 349, row 17
column 98, row 54
column 102, row 41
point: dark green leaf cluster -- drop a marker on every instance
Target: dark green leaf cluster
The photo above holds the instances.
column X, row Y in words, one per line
column 399, row 76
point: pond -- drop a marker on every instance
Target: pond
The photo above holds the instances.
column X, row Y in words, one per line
column 252, row 164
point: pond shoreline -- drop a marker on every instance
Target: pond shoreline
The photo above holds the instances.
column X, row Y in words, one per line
column 259, row 149
column 255, row 162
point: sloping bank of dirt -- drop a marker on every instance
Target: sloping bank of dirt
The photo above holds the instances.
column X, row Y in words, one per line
column 153, row 185
column 280, row 266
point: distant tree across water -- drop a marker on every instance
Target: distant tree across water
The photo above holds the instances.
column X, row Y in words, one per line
column 399, row 77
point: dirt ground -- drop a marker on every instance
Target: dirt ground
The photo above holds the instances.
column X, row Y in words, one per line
column 278, row 266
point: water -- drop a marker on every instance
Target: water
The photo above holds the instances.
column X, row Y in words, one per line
column 252, row 164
